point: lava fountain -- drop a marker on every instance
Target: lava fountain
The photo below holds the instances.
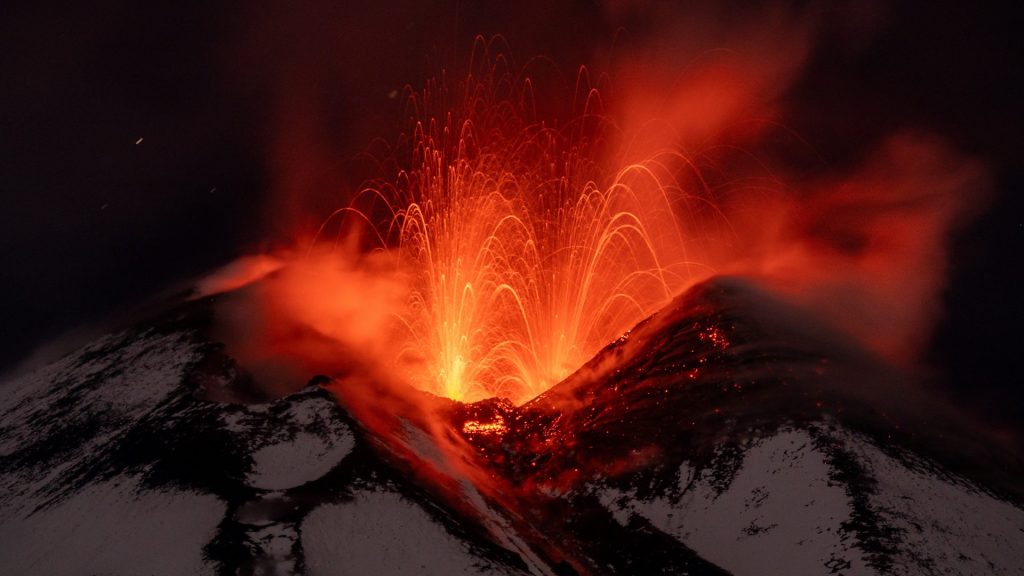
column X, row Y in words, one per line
column 523, row 253
column 500, row 246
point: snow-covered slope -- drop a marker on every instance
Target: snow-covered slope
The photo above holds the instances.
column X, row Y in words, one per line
column 725, row 435
column 898, row 515
column 117, row 460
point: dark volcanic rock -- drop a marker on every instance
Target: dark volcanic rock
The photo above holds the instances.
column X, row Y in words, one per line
column 729, row 433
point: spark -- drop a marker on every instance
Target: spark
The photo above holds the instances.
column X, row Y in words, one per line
column 524, row 253
column 474, row 427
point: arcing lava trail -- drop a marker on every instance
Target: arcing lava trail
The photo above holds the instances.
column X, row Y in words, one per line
column 525, row 246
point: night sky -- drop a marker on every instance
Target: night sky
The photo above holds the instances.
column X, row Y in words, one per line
column 139, row 143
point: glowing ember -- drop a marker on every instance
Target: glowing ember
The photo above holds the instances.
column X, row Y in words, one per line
column 497, row 427
column 715, row 336
column 524, row 256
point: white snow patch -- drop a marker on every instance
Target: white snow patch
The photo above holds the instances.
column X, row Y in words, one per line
column 948, row 527
column 156, row 357
column 382, row 533
column 308, row 413
column 123, row 380
column 113, row 528
column 500, row 529
column 27, row 384
column 780, row 500
column 304, row 458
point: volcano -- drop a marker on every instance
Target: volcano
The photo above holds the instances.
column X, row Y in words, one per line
column 729, row 433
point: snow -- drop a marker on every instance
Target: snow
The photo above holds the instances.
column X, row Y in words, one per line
column 294, row 462
column 785, row 511
column 120, row 360
column 946, row 524
column 781, row 499
column 106, row 387
column 382, row 533
column 113, row 528
column 276, row 546
column 501, row 530
column 498, row 527
column 293, row 441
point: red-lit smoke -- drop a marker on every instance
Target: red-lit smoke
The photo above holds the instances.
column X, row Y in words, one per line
column 462, row 280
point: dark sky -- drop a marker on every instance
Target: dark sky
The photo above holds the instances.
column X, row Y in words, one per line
column 233, row 99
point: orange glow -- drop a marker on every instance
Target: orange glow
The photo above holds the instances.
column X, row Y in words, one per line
column 499, row 249
column 497, row 427
column 238, row 274
column 524, row 253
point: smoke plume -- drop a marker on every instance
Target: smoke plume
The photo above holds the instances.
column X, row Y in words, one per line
column 701, row 90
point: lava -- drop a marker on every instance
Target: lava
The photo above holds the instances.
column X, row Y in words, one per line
column 473, row 427
column 524, row 254
column 501, row 245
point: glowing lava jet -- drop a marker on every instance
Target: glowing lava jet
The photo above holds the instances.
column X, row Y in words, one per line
column 523, row 253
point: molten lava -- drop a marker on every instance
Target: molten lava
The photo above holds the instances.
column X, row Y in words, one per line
column 502, row 244
column 473, row 427
column 524, row 255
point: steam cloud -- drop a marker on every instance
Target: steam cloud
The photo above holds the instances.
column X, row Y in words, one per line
column 863, row 247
